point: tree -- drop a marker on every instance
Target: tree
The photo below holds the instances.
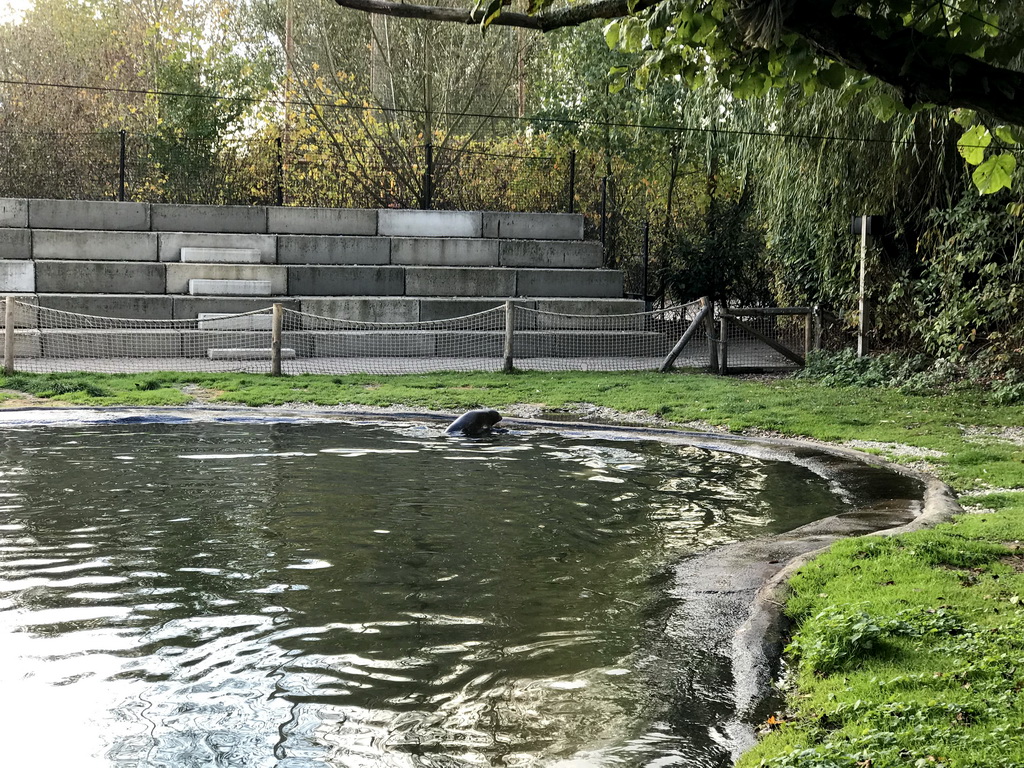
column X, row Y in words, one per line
column 958, row 54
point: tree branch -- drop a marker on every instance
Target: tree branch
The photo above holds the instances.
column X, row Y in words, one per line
column 545, row 21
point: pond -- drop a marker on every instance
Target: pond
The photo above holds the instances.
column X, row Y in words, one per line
column 322, row 593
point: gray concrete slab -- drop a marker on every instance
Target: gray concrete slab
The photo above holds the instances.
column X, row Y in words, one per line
column 72, row 244
column 447, row 308
column 321, row 221
column 179, row 275
column 27, row 343
column 471, row 344
column 534, row 226
column 13, row 212
column 591, row 283
column 213, row 287
column 460, row 281
column 363, row 309
column 100, row 277
column 88, row 214
column 17, row 277
column 208, row 218
column 550, row 254
column 373, row 344
column 171, row 243
column 318, row 249
column 219, row 321
column 220, row 255
column 111, row 344
column 590, row 306
column 444, row 252
column 245, row 353
column 189, row 307
column 346, row 281
column 198, row 343
column 106, row 305
column 411, row 223
column 15, row 243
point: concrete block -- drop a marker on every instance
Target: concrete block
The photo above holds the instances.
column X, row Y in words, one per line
column 15, row 243
column 313, row 249
column 611, row 314
column 189, row 307
column 471, row 344
column 244, row 353
column 202, row 287
column 199, row 343
column 363, row 309
column 444, row 252
column 411, row 223
column 93, row 246
column 208, row 218
column 171, row 243
column 321, row 221
column 373, row 343
column 27, row 343
column 13, row 212
column 179, row 275
column 447, row 308
column 609, row 344
column 100, row 277
column 88, row 214
column 106, row 305
column 111, row 344
column 591, row 283
column 459, row 281
column 545, row 254
column 220, row 255
column 534, row 226
column 346, row 281
column 218, row 321
column 17, row 277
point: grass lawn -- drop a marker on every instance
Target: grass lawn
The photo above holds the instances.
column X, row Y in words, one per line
column 907, row 651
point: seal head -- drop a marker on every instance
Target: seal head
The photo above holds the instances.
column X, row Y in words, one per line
column 474, row 423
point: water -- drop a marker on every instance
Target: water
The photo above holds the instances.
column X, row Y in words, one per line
column 328, row 594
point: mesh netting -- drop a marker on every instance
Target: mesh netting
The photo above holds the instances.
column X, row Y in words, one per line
column 745, row 347
column 48, row 340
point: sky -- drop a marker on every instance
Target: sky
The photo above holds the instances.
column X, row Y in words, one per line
column 12, row 9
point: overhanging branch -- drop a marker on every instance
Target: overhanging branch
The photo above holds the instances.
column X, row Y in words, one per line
column 545, row 21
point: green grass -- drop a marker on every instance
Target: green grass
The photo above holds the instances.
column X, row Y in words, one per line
column 907, row 651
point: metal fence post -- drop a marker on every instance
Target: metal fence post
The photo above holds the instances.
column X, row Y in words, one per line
column 604, row 209
column 276, row 326
column 279, row 197
column 121, row 163
column 510, row 329
column 647, row 259
column 9, row 336
column 428, row 177
column 572, row 181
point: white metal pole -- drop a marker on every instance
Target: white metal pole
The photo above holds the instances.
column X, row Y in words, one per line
column 862, row 330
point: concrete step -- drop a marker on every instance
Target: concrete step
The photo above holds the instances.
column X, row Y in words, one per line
column 201, row 287
column 59, row 343
column 244, row 353
column 220, row 255
column 374, row 309
column 218, row 321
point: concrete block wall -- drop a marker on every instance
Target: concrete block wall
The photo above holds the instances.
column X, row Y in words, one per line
column 125, row 260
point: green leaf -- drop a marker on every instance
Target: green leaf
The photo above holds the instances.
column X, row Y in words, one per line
column 995, row 174
column 833, row 76
column 973, row 143
column 1007, row 134
column 883, row 106
column 611, row 35
column 965, row 118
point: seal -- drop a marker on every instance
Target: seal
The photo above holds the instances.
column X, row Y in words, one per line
column 474, row 423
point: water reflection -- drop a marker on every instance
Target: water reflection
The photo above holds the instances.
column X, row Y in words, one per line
column 330, row 595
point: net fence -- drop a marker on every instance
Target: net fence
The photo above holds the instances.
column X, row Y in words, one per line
column 755, row 340
column 43, row 340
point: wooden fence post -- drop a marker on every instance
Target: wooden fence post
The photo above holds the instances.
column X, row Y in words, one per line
column 9, row 336
column 276, row 326
column 510, row 329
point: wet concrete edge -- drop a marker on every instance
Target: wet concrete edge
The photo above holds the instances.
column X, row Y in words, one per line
column 754, row 573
